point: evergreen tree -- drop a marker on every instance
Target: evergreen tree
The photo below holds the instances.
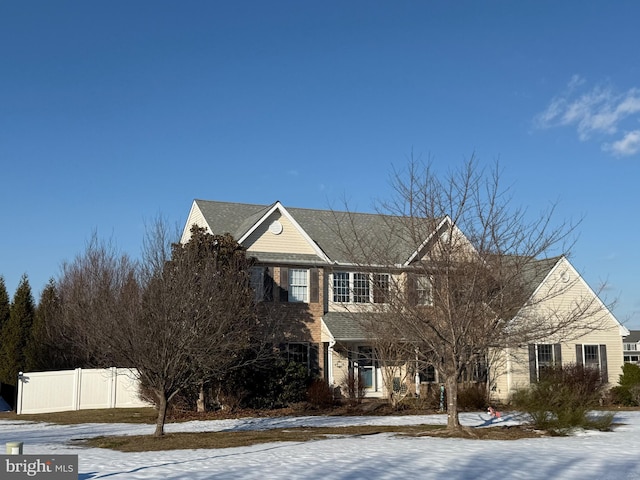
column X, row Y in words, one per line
column 41, row 352
column 5, row 306
column 16, row 333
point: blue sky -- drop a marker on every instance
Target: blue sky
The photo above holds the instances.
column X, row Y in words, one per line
column 112, row 113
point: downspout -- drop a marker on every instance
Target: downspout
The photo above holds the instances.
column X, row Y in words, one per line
column 330, row 362
column 508, row 372
column 417, row 375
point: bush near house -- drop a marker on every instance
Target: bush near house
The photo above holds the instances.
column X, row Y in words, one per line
column 564, row 399
column 281, row 385
column 627, row 393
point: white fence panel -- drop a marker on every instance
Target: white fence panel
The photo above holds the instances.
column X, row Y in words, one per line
column 42, row 392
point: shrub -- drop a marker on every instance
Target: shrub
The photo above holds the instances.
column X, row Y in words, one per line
column 280, row 385
column 562, row 400
column 628, row 392
column 320, row 394
column 354, row 386
column 472, row 397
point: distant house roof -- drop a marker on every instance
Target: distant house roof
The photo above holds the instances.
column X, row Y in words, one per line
column 633, row 337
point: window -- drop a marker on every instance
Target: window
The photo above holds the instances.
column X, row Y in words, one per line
column 631, row 347
column 543, row 356
column 424, row 290
column 298, row 353
column 357, row 287
column 261, row 283
column 298, row 285
column 360, row 288
column 428, row 374
column 380, row 287
column 341, row 287
column 593, row 356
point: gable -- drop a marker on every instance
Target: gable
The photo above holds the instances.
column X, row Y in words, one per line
column 445, row 235
column 277, row 234
column 564, row 291
column 195, row 217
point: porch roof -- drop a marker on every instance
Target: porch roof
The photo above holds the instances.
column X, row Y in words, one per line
column 346, row 327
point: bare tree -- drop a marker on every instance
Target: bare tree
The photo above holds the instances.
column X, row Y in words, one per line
column 461, row 295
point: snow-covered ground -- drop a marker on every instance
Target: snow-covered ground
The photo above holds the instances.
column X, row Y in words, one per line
column 588, row 455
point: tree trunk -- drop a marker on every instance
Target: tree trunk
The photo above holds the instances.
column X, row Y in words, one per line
column 162, row 415
column 200, row 403
column 451, row 384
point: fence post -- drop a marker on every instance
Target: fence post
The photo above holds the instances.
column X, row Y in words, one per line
column 14, row 448
column 77, row 385
column 19, row 395
column 114, row 386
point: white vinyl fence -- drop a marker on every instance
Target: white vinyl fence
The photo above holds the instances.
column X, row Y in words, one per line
column 79, row 389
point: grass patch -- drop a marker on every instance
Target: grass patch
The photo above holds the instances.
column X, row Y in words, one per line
column 216, row 440
column 107, row 415
column 201, row 440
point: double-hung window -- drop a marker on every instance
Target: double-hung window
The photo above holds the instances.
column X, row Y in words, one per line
column 359, row 287
column 424, row 290
column 341, row 287
column 298, row 353
column 380, row 287
column 593, row 356
column 257, row 283
column 542, row 357
column 298, row 285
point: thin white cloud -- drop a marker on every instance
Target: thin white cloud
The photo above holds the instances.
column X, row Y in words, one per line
column 599, row 111
column 626, row 146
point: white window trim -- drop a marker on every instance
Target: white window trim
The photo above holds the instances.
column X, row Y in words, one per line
column 306, row 286
column 371, row 278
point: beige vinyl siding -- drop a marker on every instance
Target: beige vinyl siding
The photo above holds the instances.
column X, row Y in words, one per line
column 561, row 292
column 195, row 217
column 290, row 240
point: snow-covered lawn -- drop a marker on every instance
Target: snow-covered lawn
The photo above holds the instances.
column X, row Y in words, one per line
column 587, row 455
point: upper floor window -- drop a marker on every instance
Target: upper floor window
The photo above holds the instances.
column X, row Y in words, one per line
column 361, row 289
column 631, row 347
column 380, row 287
column 358, row 287
column 341, row 287
column 419, row 289
column 424, row 290
column 261, row 283
column 298, row 285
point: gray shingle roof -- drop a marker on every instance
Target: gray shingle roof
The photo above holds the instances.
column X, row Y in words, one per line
column 323, row 227
column 633, row 337
column 536, row 271
column 345, row 326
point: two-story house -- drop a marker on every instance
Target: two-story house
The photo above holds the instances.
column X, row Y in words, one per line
column 306, row 268
column 631, row 347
